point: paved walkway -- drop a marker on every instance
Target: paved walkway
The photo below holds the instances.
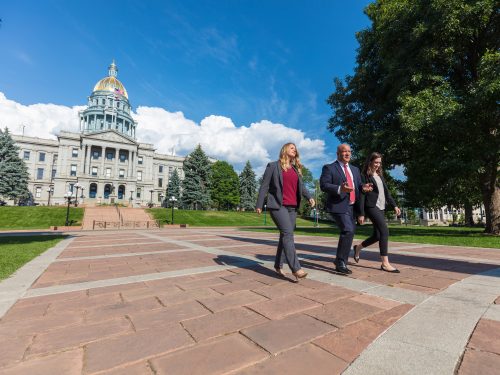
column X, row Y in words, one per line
column 206, row 301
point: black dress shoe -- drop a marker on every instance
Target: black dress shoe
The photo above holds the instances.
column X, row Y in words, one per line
column 341, row 267
column 395, row 270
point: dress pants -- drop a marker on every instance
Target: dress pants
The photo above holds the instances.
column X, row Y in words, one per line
column 284, row 218
column 347, row 226
column 380, row 230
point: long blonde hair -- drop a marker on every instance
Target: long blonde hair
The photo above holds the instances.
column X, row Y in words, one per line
column 284, row 158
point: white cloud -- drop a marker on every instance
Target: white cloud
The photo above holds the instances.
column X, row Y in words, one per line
column 219, row 137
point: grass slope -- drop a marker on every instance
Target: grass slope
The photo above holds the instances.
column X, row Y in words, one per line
column 36, row 217
column 19, row 250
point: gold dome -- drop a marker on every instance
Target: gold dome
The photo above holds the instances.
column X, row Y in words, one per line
column 112, row 85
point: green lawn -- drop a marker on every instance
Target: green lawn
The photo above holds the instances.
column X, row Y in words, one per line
column 19, row 250
column 215, row 218
column 431, row 235
column 36, row 217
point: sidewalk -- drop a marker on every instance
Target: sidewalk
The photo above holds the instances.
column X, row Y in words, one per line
column 207, row 301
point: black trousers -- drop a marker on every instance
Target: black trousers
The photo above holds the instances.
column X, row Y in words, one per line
column 347, row 226
column 380, row 230
column 284, row 218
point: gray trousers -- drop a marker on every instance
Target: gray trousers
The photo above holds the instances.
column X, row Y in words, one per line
column 284, row 218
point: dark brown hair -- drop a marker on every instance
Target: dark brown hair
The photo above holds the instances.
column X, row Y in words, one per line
column 367, row 169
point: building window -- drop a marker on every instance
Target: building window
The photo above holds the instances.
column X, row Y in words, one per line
column 73, row 170
column 71, row 186
column 41, row 156
column 39, row 174
column 139, row 160
column 74, row 153
column 95, row 154
column 159, row 197
column 160, row 182
column 26, row 155
column 139, row 176
column 108, row 172
column 109, row 156
column 122, row 173
column 160, row 169
column 138, row 193
column 54, row 171
column 170, row 171
column 94, row 171
column 38, row 192
column 55, row 159
column 123, row 157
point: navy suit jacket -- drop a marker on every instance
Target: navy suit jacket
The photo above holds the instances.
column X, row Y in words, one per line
column 332, row 177
column 272, row 186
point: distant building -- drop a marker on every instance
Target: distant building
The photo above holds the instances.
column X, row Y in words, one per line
column 103, row 163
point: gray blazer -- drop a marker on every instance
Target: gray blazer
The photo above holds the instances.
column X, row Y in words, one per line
column 272, row 186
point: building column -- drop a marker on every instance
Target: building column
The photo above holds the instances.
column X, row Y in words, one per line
column 103, row 157
column 117, row 154
column 129, row 172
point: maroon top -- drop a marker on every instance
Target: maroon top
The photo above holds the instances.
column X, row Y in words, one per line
column 290, row 184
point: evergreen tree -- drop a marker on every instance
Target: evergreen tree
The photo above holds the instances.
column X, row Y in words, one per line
column 196, row 183
column 248, row 187
column 225, row 186
column 13, row 171
column 173, row 188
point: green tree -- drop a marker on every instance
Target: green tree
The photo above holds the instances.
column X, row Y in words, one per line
column 310, row 184
column 248, row 187
column 425, row 94
column 173, row 188
column 196, row 183
column 13, row 171
column 225, row 186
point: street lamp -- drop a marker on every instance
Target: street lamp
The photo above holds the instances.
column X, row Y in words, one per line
column 50, row 191
column 68, row 197
column 151, row 200
column 77, row 186
column 161, row 202
column 173, row 200
column 81, row 195
column 131, row 199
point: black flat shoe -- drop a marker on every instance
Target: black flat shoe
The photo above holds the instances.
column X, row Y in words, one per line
column 357, row 251
column 395, row 270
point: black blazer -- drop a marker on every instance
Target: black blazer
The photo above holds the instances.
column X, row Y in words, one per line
column 332, row 176
column 272, row 186
column 369, row 199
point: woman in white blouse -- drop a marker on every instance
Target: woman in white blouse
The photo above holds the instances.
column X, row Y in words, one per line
column 373, row 204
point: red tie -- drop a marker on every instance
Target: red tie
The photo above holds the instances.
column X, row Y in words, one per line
column 352, row 195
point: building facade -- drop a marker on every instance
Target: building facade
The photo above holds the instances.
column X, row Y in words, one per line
column 104, row 162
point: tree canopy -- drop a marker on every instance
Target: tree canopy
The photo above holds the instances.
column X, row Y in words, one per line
column 248, row 187
column 425, row 93
column 196, row 183
column 13, row 171
column 224, row 186
column 173, row 187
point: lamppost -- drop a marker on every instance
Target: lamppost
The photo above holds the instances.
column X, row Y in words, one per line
column 77, row 186
column 161, row 203
column 173, row 200
column 151, row 200
column 81, row 195
column 68, row 197
column 131, row 199
column 50, row 191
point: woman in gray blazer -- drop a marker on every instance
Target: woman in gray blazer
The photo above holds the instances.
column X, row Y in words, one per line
column 282, row 183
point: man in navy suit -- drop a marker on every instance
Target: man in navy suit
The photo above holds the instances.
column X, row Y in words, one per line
column 342, row 182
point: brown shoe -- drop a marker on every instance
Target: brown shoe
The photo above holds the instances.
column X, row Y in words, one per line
column 300, row 274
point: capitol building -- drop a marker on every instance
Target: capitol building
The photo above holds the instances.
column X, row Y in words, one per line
column 103, row 162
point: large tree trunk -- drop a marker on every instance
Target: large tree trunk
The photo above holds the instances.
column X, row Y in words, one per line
column 469, row 220
column 491, row 197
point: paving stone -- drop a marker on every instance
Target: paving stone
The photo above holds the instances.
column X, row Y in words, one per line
column 497, row 301
column 222, row 323
column 328, row 294
column 281, row 290
column 13, row 347
column 68, row 337
column 238, row 286
column 307, row 359
column 379, row 302
column 416, row 288
column 389, row 317
column 215, row 357
column 174, row 298
column 116, row 351
column 25, row 312
column 141, row 368
column 343, row 312
column 279, row 335
column 171, row 314
column 486, row 336
column 122, row 309
column 280, row 307
column 86, row 302
column 38, row 325
column 201, row 283
column 347, row 343
column 477, row 362
column 431, row 282
column 231, row 300
column 67, row 363
column 117, row 288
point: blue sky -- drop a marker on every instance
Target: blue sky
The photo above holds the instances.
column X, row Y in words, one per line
column 249, row 62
